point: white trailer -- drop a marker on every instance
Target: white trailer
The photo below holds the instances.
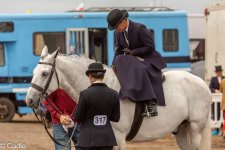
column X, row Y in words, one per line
column 215, row 39
column 215, row 51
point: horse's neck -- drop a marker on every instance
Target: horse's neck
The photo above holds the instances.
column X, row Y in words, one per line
column 72, row 78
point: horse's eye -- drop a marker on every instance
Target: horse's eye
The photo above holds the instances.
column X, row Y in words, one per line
column 44, row 73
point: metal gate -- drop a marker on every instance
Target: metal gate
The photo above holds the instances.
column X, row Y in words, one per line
column 77, row 41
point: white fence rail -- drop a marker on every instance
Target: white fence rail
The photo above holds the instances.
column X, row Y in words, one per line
column 216, row 112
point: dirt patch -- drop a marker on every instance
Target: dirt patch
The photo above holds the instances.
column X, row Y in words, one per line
column 27, row 133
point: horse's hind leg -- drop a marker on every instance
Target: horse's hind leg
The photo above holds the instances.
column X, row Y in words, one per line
column 189, row 136
column 182, row 136
column 195, row 135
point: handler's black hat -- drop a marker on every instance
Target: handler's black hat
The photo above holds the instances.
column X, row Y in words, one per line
column 114, row 18
column 218, row 69
column 95, row 67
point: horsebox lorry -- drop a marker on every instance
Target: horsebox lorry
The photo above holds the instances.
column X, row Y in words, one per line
column 215, row 51
column 215, row 39
column 22, row 37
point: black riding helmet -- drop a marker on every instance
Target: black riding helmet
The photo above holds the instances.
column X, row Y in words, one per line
column 115, row 17
column 94, row 68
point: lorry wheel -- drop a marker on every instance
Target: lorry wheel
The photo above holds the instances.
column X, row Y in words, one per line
column 7, row 109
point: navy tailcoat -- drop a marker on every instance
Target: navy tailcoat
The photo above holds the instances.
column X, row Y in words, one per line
column 139, row 80
column 214, row 84
column 97, row 106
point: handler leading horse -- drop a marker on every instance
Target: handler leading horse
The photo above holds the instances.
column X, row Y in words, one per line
column 188, row 101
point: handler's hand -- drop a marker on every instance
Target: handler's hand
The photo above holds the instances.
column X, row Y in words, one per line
column 127, row 51
column 64, row 119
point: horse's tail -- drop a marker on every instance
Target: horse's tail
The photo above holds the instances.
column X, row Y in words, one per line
column 206, row 137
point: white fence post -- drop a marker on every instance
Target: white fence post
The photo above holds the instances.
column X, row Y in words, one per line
column 215, row 121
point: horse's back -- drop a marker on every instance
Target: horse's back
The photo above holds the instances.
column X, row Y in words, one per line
column 187, row 81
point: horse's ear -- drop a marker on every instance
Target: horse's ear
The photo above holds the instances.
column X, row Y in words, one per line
column 44, row 52
column 56, row 52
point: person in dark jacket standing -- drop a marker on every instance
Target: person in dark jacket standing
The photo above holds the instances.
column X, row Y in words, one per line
column 215, row 88
column 137, row 64
column 215, row 81
column 97, row 106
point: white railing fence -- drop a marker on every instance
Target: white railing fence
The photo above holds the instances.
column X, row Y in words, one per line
column 216, row 112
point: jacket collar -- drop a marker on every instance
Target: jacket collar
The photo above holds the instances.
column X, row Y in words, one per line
column 130, row 30
column 98, row 84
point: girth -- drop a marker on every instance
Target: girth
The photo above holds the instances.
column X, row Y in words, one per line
column 138, row 119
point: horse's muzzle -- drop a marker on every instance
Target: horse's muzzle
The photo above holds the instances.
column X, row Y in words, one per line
column 30, row 103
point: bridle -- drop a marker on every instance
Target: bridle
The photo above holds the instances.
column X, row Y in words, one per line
column 44, row 95
column 43, row 91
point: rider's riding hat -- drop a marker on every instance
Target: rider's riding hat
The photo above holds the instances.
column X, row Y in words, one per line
column 95, row 67
column 115, row 17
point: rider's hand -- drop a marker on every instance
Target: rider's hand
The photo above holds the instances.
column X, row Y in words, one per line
column 128, row 51
column 64, row 119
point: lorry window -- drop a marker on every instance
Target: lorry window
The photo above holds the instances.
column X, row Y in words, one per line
column 2, row 59
column 170, row 40
column 52, row 40
column 6, row 26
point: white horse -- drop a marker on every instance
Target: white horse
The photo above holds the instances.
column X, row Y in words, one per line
column 188, row 100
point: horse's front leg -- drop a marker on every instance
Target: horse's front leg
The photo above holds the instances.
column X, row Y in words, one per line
column 120, row 139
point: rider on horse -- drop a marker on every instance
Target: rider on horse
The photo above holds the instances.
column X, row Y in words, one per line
column 136, row 62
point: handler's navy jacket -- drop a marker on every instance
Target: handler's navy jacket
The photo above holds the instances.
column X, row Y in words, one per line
column 98, row 105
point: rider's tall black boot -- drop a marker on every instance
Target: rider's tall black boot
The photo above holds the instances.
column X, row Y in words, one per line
column 150, row 108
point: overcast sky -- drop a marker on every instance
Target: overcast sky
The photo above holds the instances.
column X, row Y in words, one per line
column 15, row 6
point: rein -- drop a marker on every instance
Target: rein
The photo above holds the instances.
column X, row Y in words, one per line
column 44, row 95
column 43, row 121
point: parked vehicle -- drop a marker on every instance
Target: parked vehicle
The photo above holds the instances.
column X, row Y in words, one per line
column 215, row 51
column 215, row 34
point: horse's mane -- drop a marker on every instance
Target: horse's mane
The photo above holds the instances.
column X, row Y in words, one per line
column 82, row 64
column 80, row 59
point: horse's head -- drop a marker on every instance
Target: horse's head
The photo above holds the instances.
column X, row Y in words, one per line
column 44, row 79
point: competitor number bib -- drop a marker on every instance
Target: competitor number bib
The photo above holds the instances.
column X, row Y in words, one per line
column 100, row 120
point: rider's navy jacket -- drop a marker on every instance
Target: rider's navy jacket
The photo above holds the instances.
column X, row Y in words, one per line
column 97, row 106
column 141, row 43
